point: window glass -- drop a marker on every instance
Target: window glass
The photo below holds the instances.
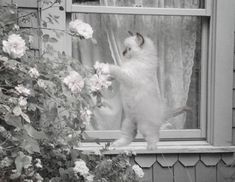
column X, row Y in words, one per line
column 177, row 40
column 144, row 3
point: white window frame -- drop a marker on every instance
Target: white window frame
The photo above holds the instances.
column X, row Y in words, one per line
column 216, row 70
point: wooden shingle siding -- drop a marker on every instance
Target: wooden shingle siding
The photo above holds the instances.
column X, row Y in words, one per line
column 187, row 167
column 205, row 173
column 171, row 159
column 182, row 173
column 210, row 159
column 224, row 173
column 227, row 158
column 162, row 174
column 189, row 159
column 148, row 175
column 145, row 160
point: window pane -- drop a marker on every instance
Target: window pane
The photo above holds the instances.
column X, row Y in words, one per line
column 178, row 45
column 145, row 3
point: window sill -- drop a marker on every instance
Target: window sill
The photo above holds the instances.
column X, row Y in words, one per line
column 163, row 147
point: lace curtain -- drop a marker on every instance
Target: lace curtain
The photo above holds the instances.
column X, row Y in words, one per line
column 175, row 40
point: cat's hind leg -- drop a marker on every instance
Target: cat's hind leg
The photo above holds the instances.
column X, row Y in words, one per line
column 150, row 132
column 152, row 142
column 129, row 131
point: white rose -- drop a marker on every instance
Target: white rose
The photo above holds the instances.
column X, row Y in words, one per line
column 22, row 90
column 90, row 178
column 81, row 168
column 138, row 171
column 33, row 72
column 38, row 163
column 98, row 82
column 74, row 81
column 101, row 68
column 80, row 28
column 14, row 46
column 6, row 162
column 41, row 83
column 22, row 101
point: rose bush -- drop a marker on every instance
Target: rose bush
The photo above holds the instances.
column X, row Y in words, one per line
column 46, row 103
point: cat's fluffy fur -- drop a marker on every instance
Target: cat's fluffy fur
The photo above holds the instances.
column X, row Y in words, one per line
column 141, row 99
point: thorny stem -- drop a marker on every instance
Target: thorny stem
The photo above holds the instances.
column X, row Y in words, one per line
column 44, row 28
column 1, row 144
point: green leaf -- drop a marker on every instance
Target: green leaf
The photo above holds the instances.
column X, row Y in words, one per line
column 15, row 175
column 6, row 107
column 12, row 120
column 32, row 107
column 62, row 171
column 45, row 37
column 34, row 133
column 44, row 24
column 30, row 145
column 25, row 117
column 22, row 161
column 11, row 64
column 53, row 40
column 3, row 58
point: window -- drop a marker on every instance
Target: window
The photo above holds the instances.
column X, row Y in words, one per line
column 200, row 4
column 190, row 29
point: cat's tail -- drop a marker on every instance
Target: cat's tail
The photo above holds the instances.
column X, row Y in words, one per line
column 175, row 112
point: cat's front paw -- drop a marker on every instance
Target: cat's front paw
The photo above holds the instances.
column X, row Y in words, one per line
column 106, row 69
column 102, row 68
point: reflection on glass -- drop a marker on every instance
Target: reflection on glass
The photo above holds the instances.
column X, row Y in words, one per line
column 177, row 41
column 145, row 3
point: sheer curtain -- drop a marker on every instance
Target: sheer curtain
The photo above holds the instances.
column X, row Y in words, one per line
column 175, row 40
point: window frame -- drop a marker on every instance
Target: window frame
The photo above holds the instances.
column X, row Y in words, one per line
column 216, row 93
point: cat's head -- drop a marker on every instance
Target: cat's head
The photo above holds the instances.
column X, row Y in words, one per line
column 133, row 45
column 136, row 44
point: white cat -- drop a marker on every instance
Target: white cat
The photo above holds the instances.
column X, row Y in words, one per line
column 141, row 99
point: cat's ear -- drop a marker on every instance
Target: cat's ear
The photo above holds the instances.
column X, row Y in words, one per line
column 139, row 39
column 130, row 33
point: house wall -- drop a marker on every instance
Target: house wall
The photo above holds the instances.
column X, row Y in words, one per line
column 233, row 127
column 24, row 7
column 176, row 167
column 210, row 167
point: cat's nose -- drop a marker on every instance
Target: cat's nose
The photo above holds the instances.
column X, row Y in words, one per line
column 124, row 52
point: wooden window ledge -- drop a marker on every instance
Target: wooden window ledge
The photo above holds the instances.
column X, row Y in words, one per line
column 163, row 147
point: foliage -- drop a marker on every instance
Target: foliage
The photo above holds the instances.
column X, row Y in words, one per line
column 42, row 120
